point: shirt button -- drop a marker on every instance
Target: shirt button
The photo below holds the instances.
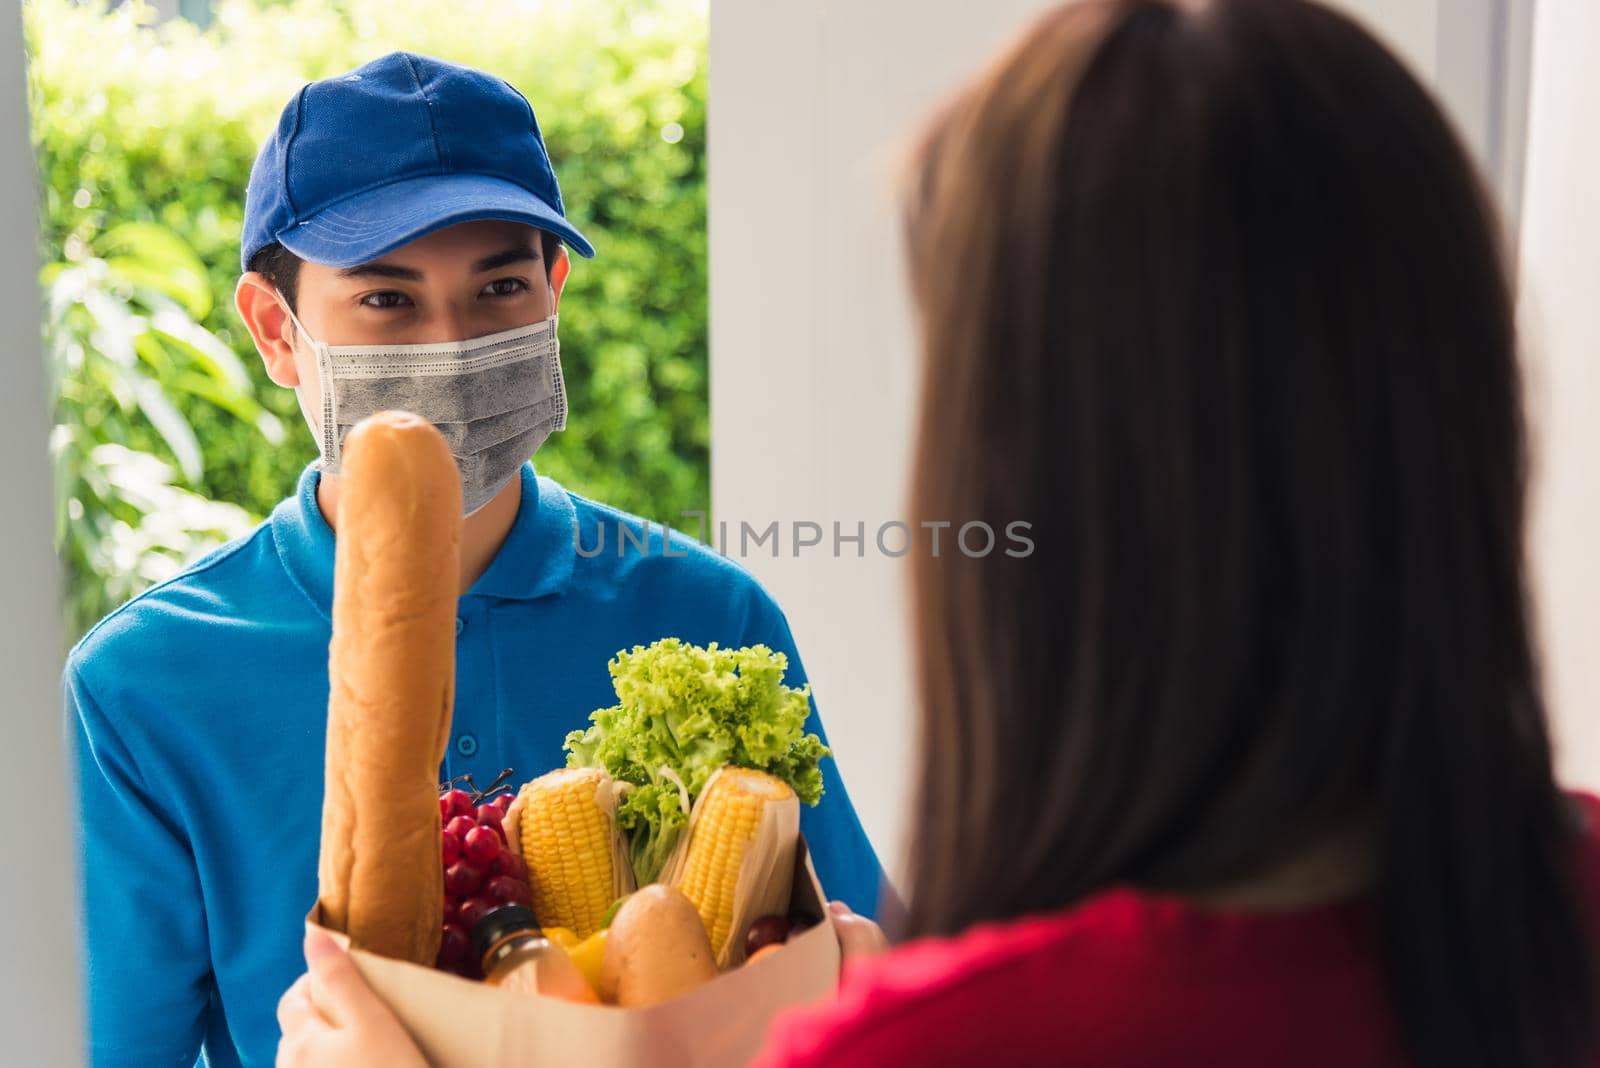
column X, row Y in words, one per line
column 461, row 625
column 466, row 745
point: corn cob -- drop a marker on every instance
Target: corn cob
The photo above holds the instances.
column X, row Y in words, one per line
column 738, row 859
column 564, row 825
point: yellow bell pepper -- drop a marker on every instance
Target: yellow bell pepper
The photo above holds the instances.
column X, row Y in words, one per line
column 588, row 954
column 564, row 937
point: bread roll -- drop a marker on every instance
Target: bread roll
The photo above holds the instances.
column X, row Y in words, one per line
column 391, row 673
column 657, row 949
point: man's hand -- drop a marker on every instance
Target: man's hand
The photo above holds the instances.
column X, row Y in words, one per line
column 859, row 937
column 330, row 1016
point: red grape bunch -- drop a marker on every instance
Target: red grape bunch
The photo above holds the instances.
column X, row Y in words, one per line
column 479, row 871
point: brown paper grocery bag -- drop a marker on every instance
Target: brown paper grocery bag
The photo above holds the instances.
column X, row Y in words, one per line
column 464, row 1024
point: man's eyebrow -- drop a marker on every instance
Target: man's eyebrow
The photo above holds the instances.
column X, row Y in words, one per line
column 504, row 257
column 382, row 270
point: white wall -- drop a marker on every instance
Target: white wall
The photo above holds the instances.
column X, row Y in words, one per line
column 1561, row 321
column 813, row 377
column 1410, row 27
column 39, row 1014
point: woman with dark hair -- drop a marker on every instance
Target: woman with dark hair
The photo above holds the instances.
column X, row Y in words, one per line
column 1247, row 762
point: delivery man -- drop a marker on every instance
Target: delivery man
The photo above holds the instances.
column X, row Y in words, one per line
column 404, row 246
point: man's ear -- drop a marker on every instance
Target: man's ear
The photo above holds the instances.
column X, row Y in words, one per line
column 267, row 319
column 559, row 268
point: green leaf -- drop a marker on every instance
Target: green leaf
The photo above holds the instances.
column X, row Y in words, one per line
column 115, row 327
column 240, row 405
column 146, row 254
column 112, row 378
column 169, row 423
column 202, row 346
column 271, row 427
column 154, row 354
column 684, row 711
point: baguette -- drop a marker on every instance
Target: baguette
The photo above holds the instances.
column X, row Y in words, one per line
column 391, row 674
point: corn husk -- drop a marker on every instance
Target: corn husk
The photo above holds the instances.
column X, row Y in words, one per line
column 607, row 794
column 765, row 872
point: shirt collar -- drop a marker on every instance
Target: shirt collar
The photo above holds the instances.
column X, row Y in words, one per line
column 535, row 560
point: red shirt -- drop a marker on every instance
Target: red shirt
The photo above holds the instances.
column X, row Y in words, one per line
column 1126, row 978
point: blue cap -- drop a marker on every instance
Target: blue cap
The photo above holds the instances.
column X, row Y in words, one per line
column 365, row 162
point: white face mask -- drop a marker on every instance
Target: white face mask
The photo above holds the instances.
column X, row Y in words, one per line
column 495, row 398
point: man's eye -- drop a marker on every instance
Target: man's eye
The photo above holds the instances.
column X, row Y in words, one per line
column 389, row 298
column 505, row 287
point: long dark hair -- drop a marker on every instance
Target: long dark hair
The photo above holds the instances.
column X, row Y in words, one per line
column 1211, row 296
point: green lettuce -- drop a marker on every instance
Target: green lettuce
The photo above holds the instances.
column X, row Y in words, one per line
column 682, row 712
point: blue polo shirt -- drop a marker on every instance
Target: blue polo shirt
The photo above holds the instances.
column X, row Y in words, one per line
column 200, row 708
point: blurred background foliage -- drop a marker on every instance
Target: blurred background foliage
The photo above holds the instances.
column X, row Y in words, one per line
column 169, row 439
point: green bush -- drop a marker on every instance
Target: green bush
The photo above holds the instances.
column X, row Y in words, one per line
column 158, row 124
column 122, row 341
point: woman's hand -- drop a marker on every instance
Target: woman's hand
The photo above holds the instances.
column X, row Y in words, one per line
column 330, row 1016
column 859, row 937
